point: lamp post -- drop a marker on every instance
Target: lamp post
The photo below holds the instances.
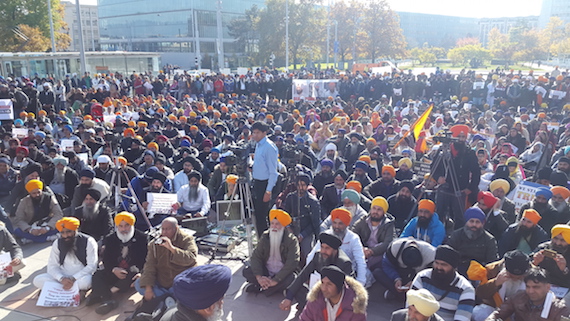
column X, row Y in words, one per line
column 81, row 44
column 286, row 34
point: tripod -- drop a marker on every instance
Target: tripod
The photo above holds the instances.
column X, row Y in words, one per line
column 242, row 188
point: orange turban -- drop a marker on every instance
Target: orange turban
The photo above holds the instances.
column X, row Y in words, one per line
column 142, row 124
column 342, row 214
column 371, row 140
column 365, row 158
column 34, row 184
column 459, row 129
column 131, row 123
column 87, row 117
column 355, row 185
column 125, row 216
column 532, row 216
column 283, row 217
column 380, row 201
column 129, row 132
column 426, row 204
column 563, row 229
column 42, row 113
column 390, row 169
column 122, row 160
column 563, row 191
column 70, row 223
column 152, row 144
column 232, row 179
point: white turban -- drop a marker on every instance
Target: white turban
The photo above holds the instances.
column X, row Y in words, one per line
column 330, row 146
column 423, row 301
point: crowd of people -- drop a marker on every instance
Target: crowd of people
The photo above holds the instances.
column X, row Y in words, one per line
column 404, row 180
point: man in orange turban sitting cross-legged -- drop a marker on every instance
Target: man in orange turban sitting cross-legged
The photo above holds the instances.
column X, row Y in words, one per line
column 73, row 257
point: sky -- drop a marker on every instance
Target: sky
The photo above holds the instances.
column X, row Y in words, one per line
column 462, row 8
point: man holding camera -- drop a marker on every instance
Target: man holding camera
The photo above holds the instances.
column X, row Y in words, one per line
column 553, row 255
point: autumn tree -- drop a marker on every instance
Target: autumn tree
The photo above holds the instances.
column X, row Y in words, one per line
column 382, row 33
column 24, row 25
column 500, row 46
column 474, row 55
column 244, row 30
column 350, row 34
column 467, row 41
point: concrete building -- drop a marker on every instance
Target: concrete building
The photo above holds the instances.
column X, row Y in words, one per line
column 90, row 24
column 504, row 25
column 172, row 28
column 436, row 30
column 554, row 8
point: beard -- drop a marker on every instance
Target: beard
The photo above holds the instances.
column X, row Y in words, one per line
column 37, row 200
column 539, row 207
column 558, row 249
column 523, row 231
column 326, row 173
column 90, row 212
column 275, row 238
column 193, row 193
column 217, row 314
column 58, row 175
column 125, row 237
column 560, row 207
column 472, row 234
column 423, row 222
column 340, row 234
column 375, row 218
column 442, row 278
column 404, row 198
column 68, row 243
column 352, row 209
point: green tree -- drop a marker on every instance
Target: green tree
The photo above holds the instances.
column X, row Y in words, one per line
column 349, row 17
column 500, row 45
column 244, row 30
column 16, row 14
column 382, row 33
column 474, row 55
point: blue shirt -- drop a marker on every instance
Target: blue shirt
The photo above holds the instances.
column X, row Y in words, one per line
column 265, row 162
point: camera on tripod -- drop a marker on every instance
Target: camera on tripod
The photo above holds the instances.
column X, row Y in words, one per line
column 445, row 138
column 291, row 155
column 239, row 158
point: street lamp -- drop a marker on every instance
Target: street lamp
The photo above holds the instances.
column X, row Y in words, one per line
column 286, row 34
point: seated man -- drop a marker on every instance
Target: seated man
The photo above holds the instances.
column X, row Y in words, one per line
column 535, row 303
column 73, row 257
column 559, row 196
column 351, row 202
column 500, row 188
column 505, row 279
column 330, row 254
column 403, row 259
column 194, row 198
column 525, row 235
column 496, row 220
column 200, row 293
column 376, row 232
column 123, row 259
column 422, row 306
column 95, row 217
column 541, row 205
column 88, row 180
column 351, row 244
column 426, row 226
column 37, row 214
column 553, row 256
column 472, row 241
column 275, row 259
column 156, row 186
column 331, row 195
column 335, row 297
column 403, row 204
column 172, row 253
column 61, row 179
column 9, row 245
column 454, row 293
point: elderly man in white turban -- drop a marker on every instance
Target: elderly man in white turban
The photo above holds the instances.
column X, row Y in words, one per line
column 422, row 306
column 331, row 153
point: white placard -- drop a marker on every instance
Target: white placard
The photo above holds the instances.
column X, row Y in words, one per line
column 84, row 157
column 182, row 133
column 557, row 94
column 160, row 203
column 53, row 295
column 5, row 267
column 19, row 132
column 478, row 85
column 466, row 106
column 66, row 145
column 559, row 291
column 314, row 278
column 109, row 118
column 6, row 109
column 524, row 193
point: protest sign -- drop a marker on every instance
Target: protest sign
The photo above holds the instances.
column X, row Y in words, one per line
column 6, row 109
column 53, row 295
column 524, row 193
column 160, row 203
column 66, row 145
column 19, row 132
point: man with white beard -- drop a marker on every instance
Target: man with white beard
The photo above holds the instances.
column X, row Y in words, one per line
column 95, row 217
column 559, row 196
column 275, row 259
column 505, row 279
column 200, row 292
column 61, row 179
column 193, row 198
column 123, row 259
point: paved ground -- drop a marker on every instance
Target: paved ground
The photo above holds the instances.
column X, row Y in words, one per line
column 18, row 301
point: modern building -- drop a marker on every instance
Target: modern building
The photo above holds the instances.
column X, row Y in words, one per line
column 436, row 30
column 89, row 22
column 504, row 25
column 554, row 8
column 181, row 31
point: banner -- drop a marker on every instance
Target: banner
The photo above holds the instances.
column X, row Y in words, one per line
column 6, row 109
column 53, row 295
column 160, row 203
column 19, row 133
column 524, row 193
column 313, row 89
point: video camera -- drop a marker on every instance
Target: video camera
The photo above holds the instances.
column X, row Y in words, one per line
column 239, row 158
column 291, row 155
column 445, row 138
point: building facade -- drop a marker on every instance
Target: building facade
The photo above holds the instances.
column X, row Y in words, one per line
column 436, row 30
column 504, row 25
column 89, row 22
column 554, row 8
column 180, row 30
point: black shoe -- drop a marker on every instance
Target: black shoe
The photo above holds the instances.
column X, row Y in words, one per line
column 252, row 288
column 107, row 307
column 17, row 276
column 93, row 299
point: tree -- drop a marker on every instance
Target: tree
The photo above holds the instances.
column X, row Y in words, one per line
column 553, row 34
column 350, row 36
column 427, row 55
column 244, row 30
column 474, row 55
column 467, row 41
column 16, row 14
column 500, row 45
column 382, row 33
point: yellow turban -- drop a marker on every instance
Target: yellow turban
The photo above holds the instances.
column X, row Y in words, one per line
column 406, row 161
column 380, row 201
column 232, row 179
column 500, row 183
column 70, row 223
column 34, row 184
column 283, row 217
column 125, row 216
column 563, row 229
column 423, row 301
column 365, row 158
column 152, row 144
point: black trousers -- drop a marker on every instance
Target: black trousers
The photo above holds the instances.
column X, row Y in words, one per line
column 250, row 278
column 103, row 281
column 261, row 208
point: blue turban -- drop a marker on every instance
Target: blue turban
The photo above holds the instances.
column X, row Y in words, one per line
column 149, row 174
column 18, row 122
column 327, row 162
column 352, row 195
column 362, row 165
column 41, row 134
column 215, row 150
column 199, row 287
column 149, row 152
column 543, row 191
column 87, row 172
column 68, row 127
column 474, row 212
column 185, row 143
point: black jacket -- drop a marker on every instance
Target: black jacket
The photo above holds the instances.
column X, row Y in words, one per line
column 510, row 239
